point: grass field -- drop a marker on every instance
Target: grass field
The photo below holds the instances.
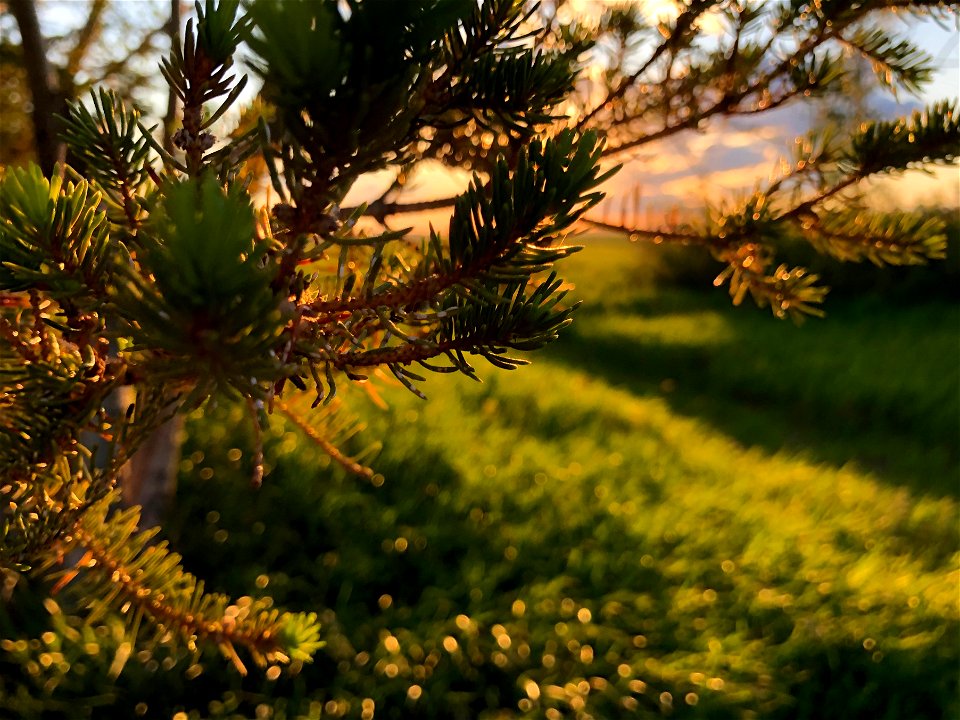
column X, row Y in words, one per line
column 682, row 508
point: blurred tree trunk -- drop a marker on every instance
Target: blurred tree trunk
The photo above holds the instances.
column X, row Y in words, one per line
column 150, row 478
column 45, row 93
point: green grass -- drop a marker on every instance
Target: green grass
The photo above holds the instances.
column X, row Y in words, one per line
column 874, row 383
column 681, row 508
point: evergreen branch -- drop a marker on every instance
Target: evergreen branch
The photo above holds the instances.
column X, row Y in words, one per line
column 53, row 237
column 107, row 144
column 742, row 239
column 728, row 102
column 788, row 292
column 53, row 390
column 802, row 67
column 882, row 238
column 547, row 192
column 204, row 294
column 487, row 320
column 337, row 455
column 198, row 73
column 680, row 30
column 895, row 61
column 40, row 505
column 928, row 136
column 127, row 572
column 515, row 87
column 485, row 27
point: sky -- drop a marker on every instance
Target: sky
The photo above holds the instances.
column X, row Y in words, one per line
column 734, row 155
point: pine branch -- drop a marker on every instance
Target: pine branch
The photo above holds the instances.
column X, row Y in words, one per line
column 729, row 99
column 311, row 431
column 124, row 571
column 53, row 238
column 787, row 292
column 485, row 321
column 201, row 307
column 546, row 193
column 517, row 88
column 883, row 239
column 926, row 137
column 745, row 238
column 199, row 73
column 733, row 89
column 675, row 37
column 107, row 143
column 895, row 61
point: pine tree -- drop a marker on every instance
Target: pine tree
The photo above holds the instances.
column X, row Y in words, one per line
column 159, row 273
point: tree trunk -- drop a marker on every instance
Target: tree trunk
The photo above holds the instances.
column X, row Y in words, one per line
column 45, row 94
column 150, row 478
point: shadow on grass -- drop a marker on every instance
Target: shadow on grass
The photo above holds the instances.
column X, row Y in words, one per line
column 411, row 559
column 469, row 553
column 739, row 389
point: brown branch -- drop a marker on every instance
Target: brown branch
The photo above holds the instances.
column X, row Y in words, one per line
column 380, row 210
column 328, row 447
column 400, row 354
column 87, row 36
column 420, row 290
column 662, row 235
column 806, row 208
